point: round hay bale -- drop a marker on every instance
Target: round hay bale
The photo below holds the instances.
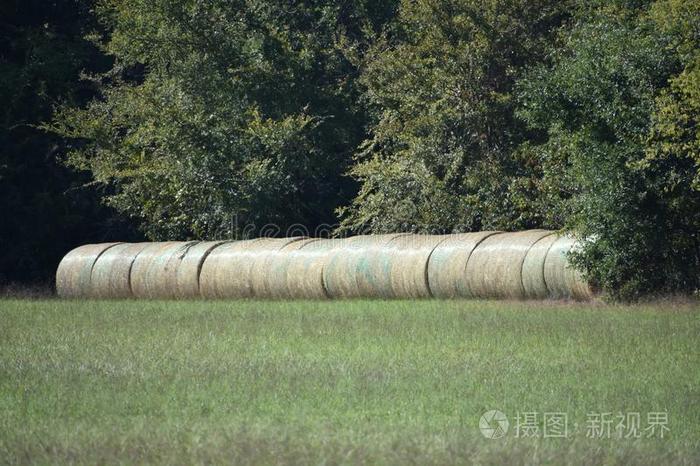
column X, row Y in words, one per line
column 306, row 269
column 271, row 261
column 563, row 281
column 273, row 283
column 357, row 268
column 374, row 267
column 74, row 271
column 149, row 274
column 189, row 267
column 494, row 267
column 216, row 276
column 304, row 278
column 228, row 270
column 532, row 274
column 408, row 265
column 163, row 271
column 112, row 270
column 336, row 278
column 447, row 264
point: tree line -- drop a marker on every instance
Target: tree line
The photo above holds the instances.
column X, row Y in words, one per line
column 175, row 116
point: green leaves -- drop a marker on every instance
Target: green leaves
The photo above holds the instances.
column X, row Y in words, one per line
column 439, row 85
column 222, row 114
column 450, row 115
column 597, row 104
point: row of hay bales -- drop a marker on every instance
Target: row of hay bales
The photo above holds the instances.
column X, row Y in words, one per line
column 521, row 265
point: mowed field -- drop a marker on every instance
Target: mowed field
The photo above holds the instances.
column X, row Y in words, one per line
column 402, row 382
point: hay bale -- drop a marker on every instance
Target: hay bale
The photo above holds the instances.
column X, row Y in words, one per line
column 374, row 267
column 270, row 261
column 408, row 265
column 74, row 271
column 336, row 279
column 304, row 278
column 532, row 273
column 272, row 279
column 563, row 281
column 149, row 275
column 228, row 270
column 215, row 276
column 111, row 273
column 494, row 267
column 163, row 271
column 528, row 264
column 189, row 267
column 357, row 267
column 447, row 264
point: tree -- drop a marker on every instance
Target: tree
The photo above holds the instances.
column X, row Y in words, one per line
column 45, row 208
column 597, row 103
column 219, row 114
column 443, row 150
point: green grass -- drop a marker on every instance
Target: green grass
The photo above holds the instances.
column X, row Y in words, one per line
column 339, row 382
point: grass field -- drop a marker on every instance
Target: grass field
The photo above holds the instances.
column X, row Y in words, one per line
column 342, row 382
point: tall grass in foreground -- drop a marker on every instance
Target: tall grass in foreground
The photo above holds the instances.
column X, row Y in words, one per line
column 339, row 382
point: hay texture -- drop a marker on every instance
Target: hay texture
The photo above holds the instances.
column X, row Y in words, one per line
column 374, row 266
column 494, row 267
column 562, row 280
column 74, row 271
column 148, row 272
column 357, row 267
column 111, row 273
column 216, row 276
column 188, row 267
column 534, row 285
column 228, row 270
column 447, row 265
column 408, row 265
column 337, row 279
column 304, row 278
column 164, row 271
column 529, row 264
column 271, row 281
column 268, row 262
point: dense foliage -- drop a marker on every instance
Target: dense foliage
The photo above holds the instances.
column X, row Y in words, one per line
column 45, row 207
column 506, row 115
column 221, row 114
column 612, row 158
column 394, row 115
column 443, row 150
